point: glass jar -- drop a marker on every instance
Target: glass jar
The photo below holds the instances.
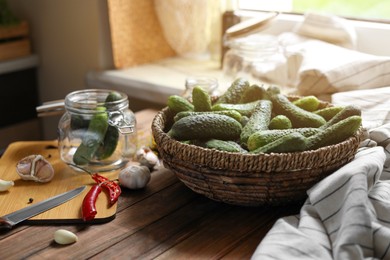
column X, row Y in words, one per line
column 257, row 57
column 209, row 84
column 97, row 132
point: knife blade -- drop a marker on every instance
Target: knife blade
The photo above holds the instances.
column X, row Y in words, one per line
column 11, row 219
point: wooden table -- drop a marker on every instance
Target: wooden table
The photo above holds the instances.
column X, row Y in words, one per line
column 165, row 220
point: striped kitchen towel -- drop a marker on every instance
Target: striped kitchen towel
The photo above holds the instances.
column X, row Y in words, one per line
column 374, row 104
column 315, row 67
column 346, row 215
column 321, row 68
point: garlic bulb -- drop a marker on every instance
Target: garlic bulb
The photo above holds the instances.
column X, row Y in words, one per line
column 64, row 237
column 147, row 157
column 5, row 185
column 35, row 168
column 134, row 177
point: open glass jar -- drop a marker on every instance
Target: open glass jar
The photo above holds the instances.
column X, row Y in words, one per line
column 253, row 54
column 257, row 57
column 97, row 132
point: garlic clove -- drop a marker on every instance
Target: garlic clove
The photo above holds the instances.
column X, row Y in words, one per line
column 64, row 237
column 142, row 151
column 147, row 157
column 134, row 177
column 36, row 168
column 6, row 185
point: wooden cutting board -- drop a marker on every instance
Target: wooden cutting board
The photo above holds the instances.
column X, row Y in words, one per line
column 65, row 179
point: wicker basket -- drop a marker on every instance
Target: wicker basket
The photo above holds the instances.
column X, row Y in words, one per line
column 248, row 179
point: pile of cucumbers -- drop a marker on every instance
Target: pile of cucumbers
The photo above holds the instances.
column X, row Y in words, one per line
column 249, row 118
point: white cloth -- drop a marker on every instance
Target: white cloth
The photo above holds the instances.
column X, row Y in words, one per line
column 328, row 28
column 320, row 59
column 374, row 104
column 324, row 68
column 346, row 215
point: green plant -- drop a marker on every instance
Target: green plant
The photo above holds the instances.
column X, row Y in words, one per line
column 6, row 15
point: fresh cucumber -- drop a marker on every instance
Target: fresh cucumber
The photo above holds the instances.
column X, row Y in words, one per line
column 201, row 100
column 347, row 111
column 93, row 138
column 232, row 113
column 178, row 103
column 298, row 116
column 261, row 138
column 336, row 133
column 292, row 142
column 328, row 112
column 222, row 145
column 280, row 122
column 206, row 126
column 308, row 103
column 110, row 142
column 111, row 138
column 259, row 120
column 244, row 109
column 234, row 93
column 252, row 93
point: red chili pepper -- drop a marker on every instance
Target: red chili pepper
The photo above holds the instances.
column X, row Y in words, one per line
column 112, row 187
column 89, row 203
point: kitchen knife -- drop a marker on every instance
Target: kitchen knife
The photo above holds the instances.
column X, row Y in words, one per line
column 11, row 219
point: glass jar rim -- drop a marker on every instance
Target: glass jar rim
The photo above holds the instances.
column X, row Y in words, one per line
column 86, row 100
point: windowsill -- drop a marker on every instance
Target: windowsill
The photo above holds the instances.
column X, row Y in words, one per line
column 155, row 82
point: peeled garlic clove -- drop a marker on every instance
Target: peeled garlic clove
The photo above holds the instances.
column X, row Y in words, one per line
column 134, row 177
column 142, row 151
column 5, row 185
column 147, row 157
column 64, row 237
column 36, row 168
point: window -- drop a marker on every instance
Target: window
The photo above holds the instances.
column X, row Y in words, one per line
column 378, row 10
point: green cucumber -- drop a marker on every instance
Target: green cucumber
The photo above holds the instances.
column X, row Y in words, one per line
column 78, row 122
column 234, row 93
column 178, row 103
column 201, row 100
column 328, row 112
column 222, row 145
column 292, row 142
column 272, row 90
column 232, row 113
column 308, row 103
column 244, row 109
column 298, row 116
column 110, row 142
column 93, row 138
column 113, row 96
column 336, row 133
column 259, row 120
column 280, row 122
column 261, row 138
column 252, row 93
column 206, row 126
column 347, row 111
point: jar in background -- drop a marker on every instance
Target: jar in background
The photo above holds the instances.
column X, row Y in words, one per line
column 97, row 132
column 257, row 57
column 209, row 84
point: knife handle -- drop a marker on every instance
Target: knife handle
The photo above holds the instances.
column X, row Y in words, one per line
column 5, row 224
